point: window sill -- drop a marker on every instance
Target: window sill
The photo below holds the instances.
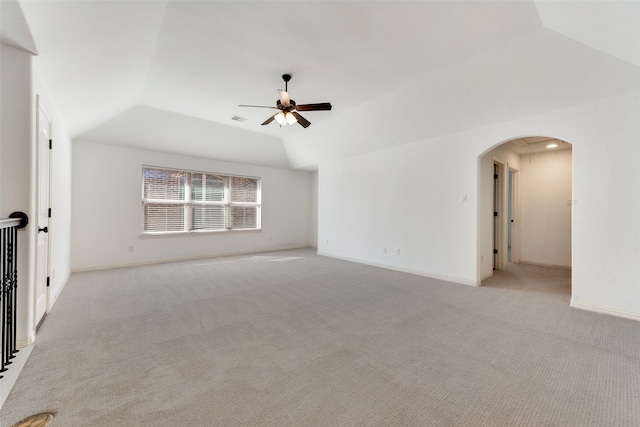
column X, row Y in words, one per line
column 151, row 235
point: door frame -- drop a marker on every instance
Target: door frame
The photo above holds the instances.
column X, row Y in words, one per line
column 499, row 212
column 501, row 199
column 514, row 198
column 39, row 172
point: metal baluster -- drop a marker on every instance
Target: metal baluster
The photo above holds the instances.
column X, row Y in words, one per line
column 14, row 322
column 9, row 286
column 3, row 299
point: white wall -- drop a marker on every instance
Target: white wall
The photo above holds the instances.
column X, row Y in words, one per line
column 409, row 197
column 409, row 200
column 21, row 83
column 106, row 209
column 60, row 187
column 16, row 173
column 545, row 221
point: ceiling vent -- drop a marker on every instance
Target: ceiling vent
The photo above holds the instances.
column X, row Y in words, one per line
column 239, row 119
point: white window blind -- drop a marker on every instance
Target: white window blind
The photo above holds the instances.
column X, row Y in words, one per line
column 189, row 201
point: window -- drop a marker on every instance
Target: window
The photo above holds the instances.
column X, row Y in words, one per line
column 186, row 201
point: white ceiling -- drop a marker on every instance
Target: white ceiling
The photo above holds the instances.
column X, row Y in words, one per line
column 536, row 144
column 145, row 73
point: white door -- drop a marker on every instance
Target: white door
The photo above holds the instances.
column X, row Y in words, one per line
column 42, row 269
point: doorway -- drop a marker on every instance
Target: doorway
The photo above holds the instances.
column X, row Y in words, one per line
column 525, row 205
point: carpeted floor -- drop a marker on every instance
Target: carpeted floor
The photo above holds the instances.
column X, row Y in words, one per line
column 294, row 339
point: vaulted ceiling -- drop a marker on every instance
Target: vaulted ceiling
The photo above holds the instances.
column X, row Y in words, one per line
column 169, row 75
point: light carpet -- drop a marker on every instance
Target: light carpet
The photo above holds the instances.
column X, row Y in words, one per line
column 294, row 339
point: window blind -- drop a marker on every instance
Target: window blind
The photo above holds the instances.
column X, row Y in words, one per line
column 186, row 201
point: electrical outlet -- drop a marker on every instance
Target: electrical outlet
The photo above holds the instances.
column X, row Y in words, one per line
column 384, row 250
column 130, row 248
column 397, row 251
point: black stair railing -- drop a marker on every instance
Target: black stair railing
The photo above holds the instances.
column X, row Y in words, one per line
column 9, row 284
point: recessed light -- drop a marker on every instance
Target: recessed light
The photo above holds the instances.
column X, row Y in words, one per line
column 239, row 119
column 552, row 145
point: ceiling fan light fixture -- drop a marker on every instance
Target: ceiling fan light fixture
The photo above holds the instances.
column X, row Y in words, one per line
column 285, row 119
column 288, row 114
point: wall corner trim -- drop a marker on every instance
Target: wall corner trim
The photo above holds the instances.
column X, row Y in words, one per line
column 604, row 310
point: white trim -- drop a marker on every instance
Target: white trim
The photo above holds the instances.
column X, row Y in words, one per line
column 604, row 310
column 157, row 234
column 24, row 342
column 189, row 258
column 456, row 280
column 542, row 264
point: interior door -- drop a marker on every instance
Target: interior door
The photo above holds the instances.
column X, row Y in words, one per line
column 42, row 256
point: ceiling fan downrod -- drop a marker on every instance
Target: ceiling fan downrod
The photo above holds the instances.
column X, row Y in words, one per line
column 286, row 78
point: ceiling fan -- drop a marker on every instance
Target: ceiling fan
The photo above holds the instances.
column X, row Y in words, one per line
column 288, row 113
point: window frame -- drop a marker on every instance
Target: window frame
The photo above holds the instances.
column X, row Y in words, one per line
column 189, row 203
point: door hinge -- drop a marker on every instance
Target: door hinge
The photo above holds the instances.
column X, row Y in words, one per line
column 495, row 214
column 495, row 176
column 495, row 251
column 50, row 144
column 49, row 212
column 48, row 280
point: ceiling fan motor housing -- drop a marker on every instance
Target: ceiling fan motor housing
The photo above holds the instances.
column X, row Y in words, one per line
column 291, row 107
column 291, row 110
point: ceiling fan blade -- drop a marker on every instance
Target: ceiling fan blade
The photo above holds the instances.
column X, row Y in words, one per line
column 284, row 98
column 257, row 106
column 314, row 107
column 303, row 122
column 269, row 120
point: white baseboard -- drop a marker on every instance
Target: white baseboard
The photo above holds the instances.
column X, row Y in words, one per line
column 188, row 258
column 451, row 279
column 604, row 310
column 542, row 264
column 24, row 342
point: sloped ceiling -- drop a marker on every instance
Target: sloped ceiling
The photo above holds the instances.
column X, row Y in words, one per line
column 14, row 30
column 143, row 73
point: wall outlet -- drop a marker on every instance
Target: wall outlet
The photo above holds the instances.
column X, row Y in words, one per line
column 130, row 248
column 397, row 251
column 384, row 250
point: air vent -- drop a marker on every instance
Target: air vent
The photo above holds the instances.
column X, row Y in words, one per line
column 238, row 119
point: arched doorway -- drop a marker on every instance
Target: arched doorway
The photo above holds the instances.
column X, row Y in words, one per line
column 525, row 205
